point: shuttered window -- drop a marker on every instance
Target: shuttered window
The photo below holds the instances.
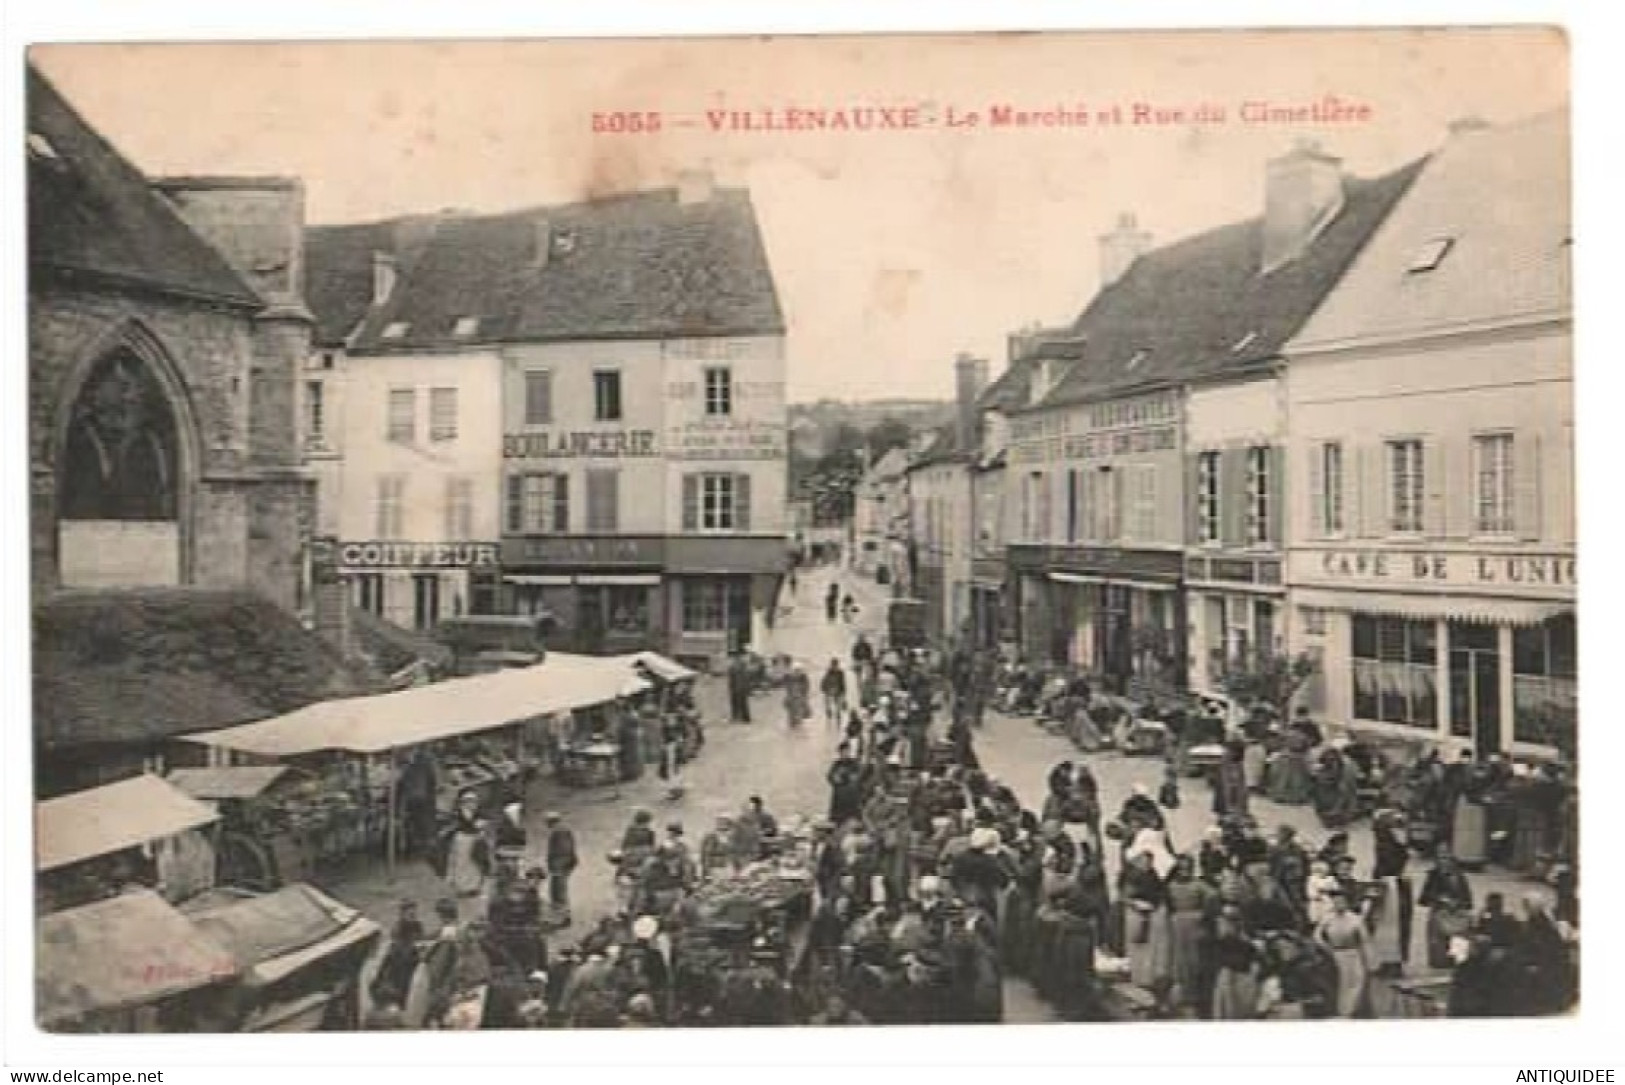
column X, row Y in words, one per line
column 459, row 508
column 538, row 397
column 1492, row 484
column 1405, row 487
column 391, row 502
column 603, row 501
column 716, row 502
column 1260, row 501
column 442, row 414
column 1326, row 488
column 539, row 503
column 402, row 415
column 1143, row 507
column 1207, row 497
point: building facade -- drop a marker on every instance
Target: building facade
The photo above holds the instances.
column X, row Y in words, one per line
column 1432, row 559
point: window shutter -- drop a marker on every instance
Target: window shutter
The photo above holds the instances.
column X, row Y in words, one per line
column 691, row 502
column 1193, row 498
column 1433, row 488
column 561, row 504
column 1119, row 505
column 1526, row 485
column 516, row 503
column 742, row 502
column 1277, row 491
column 1373, row 504
column 1454, row 460
column 1233, row 496
column 1318, row 527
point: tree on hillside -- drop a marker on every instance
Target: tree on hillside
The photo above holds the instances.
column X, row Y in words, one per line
column 889, row 433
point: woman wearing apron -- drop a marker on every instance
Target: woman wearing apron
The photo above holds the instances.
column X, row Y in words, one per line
column 1343, row 932
column 1390, row 912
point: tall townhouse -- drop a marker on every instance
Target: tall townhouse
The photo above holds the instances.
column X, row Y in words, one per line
column 1150, row 471
column 1432, row 547
column 878, row 513
column 577, row 409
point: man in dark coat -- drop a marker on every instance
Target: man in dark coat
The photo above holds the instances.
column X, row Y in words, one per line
column 561, row 863
column 738, row 688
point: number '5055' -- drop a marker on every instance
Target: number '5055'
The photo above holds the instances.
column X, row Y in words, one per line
column 626, row 122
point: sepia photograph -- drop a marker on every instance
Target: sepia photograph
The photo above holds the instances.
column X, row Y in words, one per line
column 808, row 530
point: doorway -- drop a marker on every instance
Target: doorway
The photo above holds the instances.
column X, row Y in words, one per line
column 1475, row 684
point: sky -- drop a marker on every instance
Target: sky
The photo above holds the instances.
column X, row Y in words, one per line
column 893, row 250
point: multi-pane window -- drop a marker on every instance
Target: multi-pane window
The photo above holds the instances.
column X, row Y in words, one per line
column 315, row 413
column 1395, row 670
column 1207, row 497
column 1492, row 472
column 704, row 605
column 717, row 502
column 719, row 391
column 1330, row 512
column 1258, row 495
column 1405, row 487
column 603, row 500
column 538, row 397
column 403, row 415
column 606, row 395
column 1106, row 504
column 391, row 503
column 442, row 414
column 459, row 508
column 1545, row 682
column 539, row 503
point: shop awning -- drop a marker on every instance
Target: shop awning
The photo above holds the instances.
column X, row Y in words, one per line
column 276, row 934
column 1460, row 608
column 131, row 950
column 1084, row 578
column 539, row 580
column 103, row 820
column 640, row 580
column 227, row 782
column 460, row 706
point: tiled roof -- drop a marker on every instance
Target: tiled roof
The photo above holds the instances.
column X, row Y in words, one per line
column 1497, row 201
column 1201, row 309
column 142, row 665
column 890, row 465
column 636, row 266
column 93, row 215
column 338, row 275
column 944, row 448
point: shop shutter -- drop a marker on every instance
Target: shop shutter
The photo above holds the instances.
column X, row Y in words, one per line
column 1526, row 488
column 691, row 502
column 1435, row 488
column 1192, row 504
column 516, row 503
column 741, row 502
column 1318, row 528
column 561, row 504
column 1454, row 465
column 1233, row 496
column 1277, row 493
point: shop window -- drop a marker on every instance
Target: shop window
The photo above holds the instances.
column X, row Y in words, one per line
column 483, row 593
column 1394, row 670
column 1492, row 473
column 1405, row 487
column 628, row 610
column 1545, row 683
column 719, row 391
column 402, row 415
column 1207, row 497
column 704, row 606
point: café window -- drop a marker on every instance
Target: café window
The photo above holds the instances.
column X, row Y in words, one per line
column 403, row 410
column 704, row 606
column 538, row 397
column 1405, row 487
column 1258, row 495
column 538, row 503
column 1395, row 663
column 606, row 395
column 1207, row 497
column 1492, row 474
column 442, row 414
column 391, row 506
column 719, row 391
column 1545, row 682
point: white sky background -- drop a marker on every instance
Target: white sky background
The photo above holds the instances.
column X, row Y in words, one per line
column 892, row 250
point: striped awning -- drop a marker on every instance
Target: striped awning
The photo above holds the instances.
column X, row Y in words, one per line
column 1488, row 610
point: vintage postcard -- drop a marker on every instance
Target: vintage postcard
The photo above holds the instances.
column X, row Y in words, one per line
column 872, row 530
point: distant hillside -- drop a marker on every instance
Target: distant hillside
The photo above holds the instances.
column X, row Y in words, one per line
column 813, row 425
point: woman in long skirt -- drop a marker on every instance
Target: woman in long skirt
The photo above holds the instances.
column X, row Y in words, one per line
column 1449, row 900
column 1469, row 836
column 1235, row 959
column 1145, row 919
column 1388, row 914
column 1254, row 759
column 1344, row 934
column 1189, row 899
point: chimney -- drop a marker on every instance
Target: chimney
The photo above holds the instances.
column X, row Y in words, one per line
column 383, row 277
column 1119, row 249
column 695, row 186
column 970, row 378
column 541, row 243
column 1303, row 190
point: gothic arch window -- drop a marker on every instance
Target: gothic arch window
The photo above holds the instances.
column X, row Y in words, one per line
column 121, row 456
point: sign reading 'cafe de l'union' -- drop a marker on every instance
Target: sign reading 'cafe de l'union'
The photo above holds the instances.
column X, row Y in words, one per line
column 1509, row 572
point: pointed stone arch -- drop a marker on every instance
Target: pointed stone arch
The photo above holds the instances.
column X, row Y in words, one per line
column 125, row 456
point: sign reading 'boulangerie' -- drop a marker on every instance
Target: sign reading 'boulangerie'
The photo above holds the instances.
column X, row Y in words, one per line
column 1523, row 570
column 580, row 444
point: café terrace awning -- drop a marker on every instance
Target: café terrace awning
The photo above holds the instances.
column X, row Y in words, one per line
column 1487, row 610
column 104, row 820
column 460, row 706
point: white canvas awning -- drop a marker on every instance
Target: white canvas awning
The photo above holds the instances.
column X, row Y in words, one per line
column 668, row 670
column 109, row 819
column 641, row 580
column 539, row 580
column 461, row 706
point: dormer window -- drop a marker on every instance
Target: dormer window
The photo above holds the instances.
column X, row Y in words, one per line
column 1430, row 254
column 396, row 329
column 465, row 327
column 1244, row 342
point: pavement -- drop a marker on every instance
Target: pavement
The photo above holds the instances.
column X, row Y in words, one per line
column 786, row 767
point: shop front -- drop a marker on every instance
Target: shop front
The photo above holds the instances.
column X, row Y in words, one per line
column 1459, row 649
column 988, row 604
column 605, row 592
column 719, row 594
column 416, row 584
column 1236, row 609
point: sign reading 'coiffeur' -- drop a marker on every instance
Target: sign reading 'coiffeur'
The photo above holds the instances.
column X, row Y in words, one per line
column 407, row 555
column 580, row 444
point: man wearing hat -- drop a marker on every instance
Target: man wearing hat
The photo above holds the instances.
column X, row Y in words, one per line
column 561, row 863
